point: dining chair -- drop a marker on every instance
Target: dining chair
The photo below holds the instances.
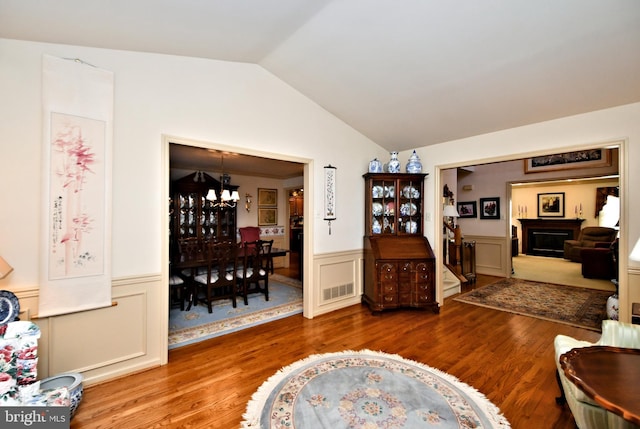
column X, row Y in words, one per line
column 256, row 256
column 249, row 233
column 177, row 289
column 191, row 262
column 191, row 252
column 219, row 280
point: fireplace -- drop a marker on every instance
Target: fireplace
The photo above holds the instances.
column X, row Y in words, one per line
column 545, row 237
column 548, row 243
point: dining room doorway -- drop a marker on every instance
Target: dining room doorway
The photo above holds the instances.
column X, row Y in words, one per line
column 250, row 170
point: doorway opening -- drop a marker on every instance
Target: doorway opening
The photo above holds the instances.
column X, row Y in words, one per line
column 295, row 225
column 248, row 171
column 470, row 187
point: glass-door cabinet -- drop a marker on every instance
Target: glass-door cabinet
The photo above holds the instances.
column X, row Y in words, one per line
column 394, row 204
column 193, row 216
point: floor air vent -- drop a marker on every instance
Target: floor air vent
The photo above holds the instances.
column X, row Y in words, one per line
column 337, row 292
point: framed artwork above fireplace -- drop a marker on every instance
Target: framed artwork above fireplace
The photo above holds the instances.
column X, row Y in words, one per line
column 551, row 204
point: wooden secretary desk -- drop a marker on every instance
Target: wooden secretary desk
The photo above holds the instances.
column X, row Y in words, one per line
column 399, row 262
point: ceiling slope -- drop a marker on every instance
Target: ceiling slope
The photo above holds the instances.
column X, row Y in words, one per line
column 405, row 73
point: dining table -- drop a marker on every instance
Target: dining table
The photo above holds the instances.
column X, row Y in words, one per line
column 197, row 264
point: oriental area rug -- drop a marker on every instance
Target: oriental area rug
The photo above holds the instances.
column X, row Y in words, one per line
column 367, row 390
column 197, row 324
column 581, row 307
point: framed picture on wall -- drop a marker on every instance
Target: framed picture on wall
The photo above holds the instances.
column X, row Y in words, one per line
column 490, row 208
column 569, row 160
column 551, row 204
column 267, row 216
column 267, row 197
column 467, row 209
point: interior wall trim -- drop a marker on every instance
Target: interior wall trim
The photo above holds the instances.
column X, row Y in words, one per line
column 351, row 268
column 490, row 255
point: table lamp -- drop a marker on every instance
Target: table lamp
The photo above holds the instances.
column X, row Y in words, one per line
column 451, row 213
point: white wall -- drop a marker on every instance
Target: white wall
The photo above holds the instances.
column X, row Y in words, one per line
column 220, row 104
column 225, row 103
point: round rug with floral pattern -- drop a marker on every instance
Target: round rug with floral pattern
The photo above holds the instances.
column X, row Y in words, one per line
column 367, row 390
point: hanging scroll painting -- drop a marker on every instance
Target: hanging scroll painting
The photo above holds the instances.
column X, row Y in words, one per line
column 77, row 204
column 329, row 194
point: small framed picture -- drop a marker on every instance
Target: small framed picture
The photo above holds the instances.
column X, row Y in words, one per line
column 267, row 216
column 551, row 204
column 490, row 208
column 467, row 209
column 267, row 197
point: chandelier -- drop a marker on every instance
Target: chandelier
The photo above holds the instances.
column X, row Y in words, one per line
column 227, row 199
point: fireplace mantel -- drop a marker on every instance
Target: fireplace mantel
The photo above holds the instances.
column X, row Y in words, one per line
column 572, row 226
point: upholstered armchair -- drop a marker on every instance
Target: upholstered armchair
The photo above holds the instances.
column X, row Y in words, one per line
column 586, row 412
column 600, row 262
column 590, row 236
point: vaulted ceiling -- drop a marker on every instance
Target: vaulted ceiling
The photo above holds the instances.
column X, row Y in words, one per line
column 405, row 73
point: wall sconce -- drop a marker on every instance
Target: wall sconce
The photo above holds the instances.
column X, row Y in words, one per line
column 5, row 268
column 247, row 202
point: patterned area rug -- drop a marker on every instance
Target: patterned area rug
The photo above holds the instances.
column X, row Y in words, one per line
column 187, row 327
column 285, row 280
column 367, row 390
column 585, row 308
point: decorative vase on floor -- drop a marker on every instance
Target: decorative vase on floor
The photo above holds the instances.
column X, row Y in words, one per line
column 72, row 381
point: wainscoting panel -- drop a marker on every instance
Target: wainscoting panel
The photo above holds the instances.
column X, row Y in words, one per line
column 109, row 335
column 106, row 342
column 338, row 281
column 491, row 255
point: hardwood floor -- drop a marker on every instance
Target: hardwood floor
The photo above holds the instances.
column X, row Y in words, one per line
column 293, row 270
column 507, row 357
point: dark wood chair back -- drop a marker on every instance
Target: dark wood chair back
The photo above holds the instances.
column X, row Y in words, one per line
column 191, row 250
column 255, row 262
column 219, row 281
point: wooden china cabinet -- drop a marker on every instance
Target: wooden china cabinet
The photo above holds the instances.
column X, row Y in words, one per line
column 192, row 216
column 399, row 262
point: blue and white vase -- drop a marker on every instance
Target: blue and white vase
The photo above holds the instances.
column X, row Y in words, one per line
column 414, row 166
column 394, row 165
column 377, row 228
column 72, row 381
column 375, row 166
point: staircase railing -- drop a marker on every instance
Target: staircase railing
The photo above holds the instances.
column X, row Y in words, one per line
column 452, row 250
